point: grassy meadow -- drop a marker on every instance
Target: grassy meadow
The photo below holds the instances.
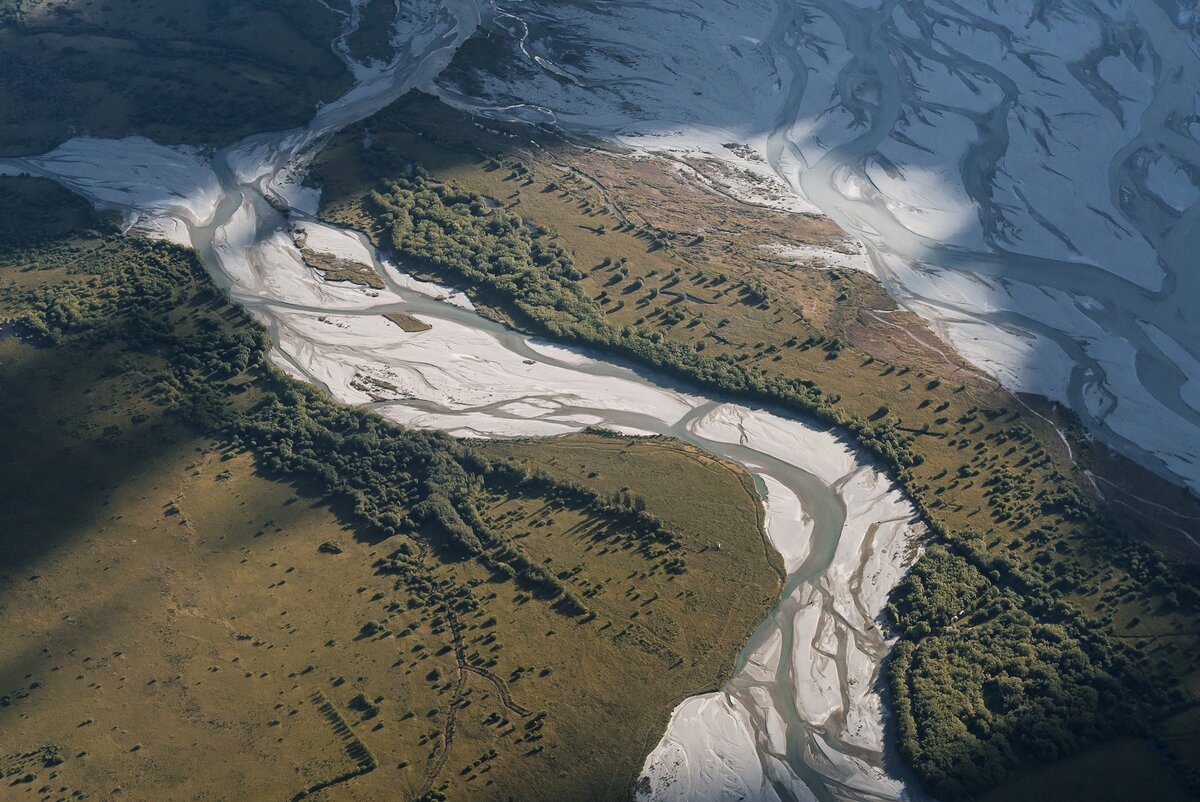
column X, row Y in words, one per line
column 194, row 617
column 622, row 255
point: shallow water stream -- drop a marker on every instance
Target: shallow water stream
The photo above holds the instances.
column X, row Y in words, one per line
column 801, row 718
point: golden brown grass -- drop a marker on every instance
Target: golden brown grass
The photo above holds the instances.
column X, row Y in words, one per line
column 184, row 620
column 408, row 322
column 664, row 256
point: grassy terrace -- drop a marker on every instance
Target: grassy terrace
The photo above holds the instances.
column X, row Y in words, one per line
column 216, row 569
column 1092, row 631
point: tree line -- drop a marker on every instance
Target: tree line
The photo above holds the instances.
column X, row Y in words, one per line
column 993, row 670
column 155, row 298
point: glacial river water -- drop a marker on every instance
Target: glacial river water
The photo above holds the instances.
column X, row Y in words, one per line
column 1150, row 304
column 802, row 717
column 1025, row 176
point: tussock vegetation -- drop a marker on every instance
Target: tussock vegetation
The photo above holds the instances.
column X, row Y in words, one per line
column 396, row 480
column 408, row 322
column 356, row 750
column 1071, row 604
column 332, row 268
column 499, row 627
column 454, row 233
